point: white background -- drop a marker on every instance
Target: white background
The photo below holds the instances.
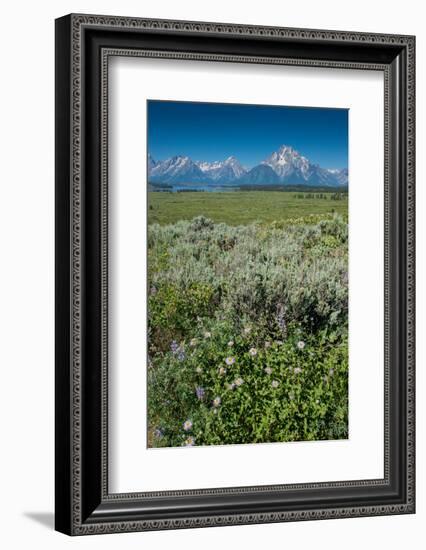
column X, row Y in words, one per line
column 359, row 457
column 26, row 301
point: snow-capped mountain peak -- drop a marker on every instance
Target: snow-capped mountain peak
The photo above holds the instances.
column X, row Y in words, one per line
column 235, row 165
column 175, row 169
column 222, row 171
column 286, row 161
column 294, row 168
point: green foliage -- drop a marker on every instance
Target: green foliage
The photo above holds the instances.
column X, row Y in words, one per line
column 172, row 311
column 248, row 332
column 285, row 393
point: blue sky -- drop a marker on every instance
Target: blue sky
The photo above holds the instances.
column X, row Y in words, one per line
column 215, row 131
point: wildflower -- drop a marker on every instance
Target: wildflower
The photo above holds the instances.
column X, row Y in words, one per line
column 268, row 370
column 253, row 352
column 301, row 344
column 239, row 382
column 174, row 346
column 275, row 383
column 217, row 401
column 153, row 291
column 331, row 372
column 158, row 433
column 187, row 425
column 267, row 345
column 279, row 342
column 230, row 343
column 207, row 334
column 190, row 441
column 297, row 370
column 181, row 355
column 200, row 392
column 222, row 371
column 247, row 330
column 231, row 386
column 193, row 342
column 230, row 360
column 199, row 370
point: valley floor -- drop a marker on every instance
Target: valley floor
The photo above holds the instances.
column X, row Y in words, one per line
column 242, row 207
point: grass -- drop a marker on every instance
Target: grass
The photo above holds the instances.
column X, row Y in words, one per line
column 239, row 207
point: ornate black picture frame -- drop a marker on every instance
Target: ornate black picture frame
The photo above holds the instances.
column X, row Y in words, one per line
column 84, row 44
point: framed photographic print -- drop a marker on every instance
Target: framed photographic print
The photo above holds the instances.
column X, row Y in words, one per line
column 234, row 274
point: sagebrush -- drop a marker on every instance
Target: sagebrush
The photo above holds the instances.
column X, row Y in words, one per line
column 248, row 331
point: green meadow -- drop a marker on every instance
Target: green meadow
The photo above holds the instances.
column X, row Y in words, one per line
column 243, row 207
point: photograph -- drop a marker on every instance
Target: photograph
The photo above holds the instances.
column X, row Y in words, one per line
column 234, row 304
column 248, row 275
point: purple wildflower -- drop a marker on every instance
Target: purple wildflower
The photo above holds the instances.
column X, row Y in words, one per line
column 200, row 392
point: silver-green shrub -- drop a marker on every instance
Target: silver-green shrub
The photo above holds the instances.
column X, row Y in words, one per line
column 247, row 331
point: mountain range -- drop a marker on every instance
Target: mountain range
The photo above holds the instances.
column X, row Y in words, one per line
column 284, row 166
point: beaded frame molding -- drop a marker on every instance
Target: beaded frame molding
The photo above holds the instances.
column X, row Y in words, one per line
column 84, row 44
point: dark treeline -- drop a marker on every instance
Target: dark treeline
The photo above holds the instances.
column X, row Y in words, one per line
column 326, row 196
column 294, row 188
